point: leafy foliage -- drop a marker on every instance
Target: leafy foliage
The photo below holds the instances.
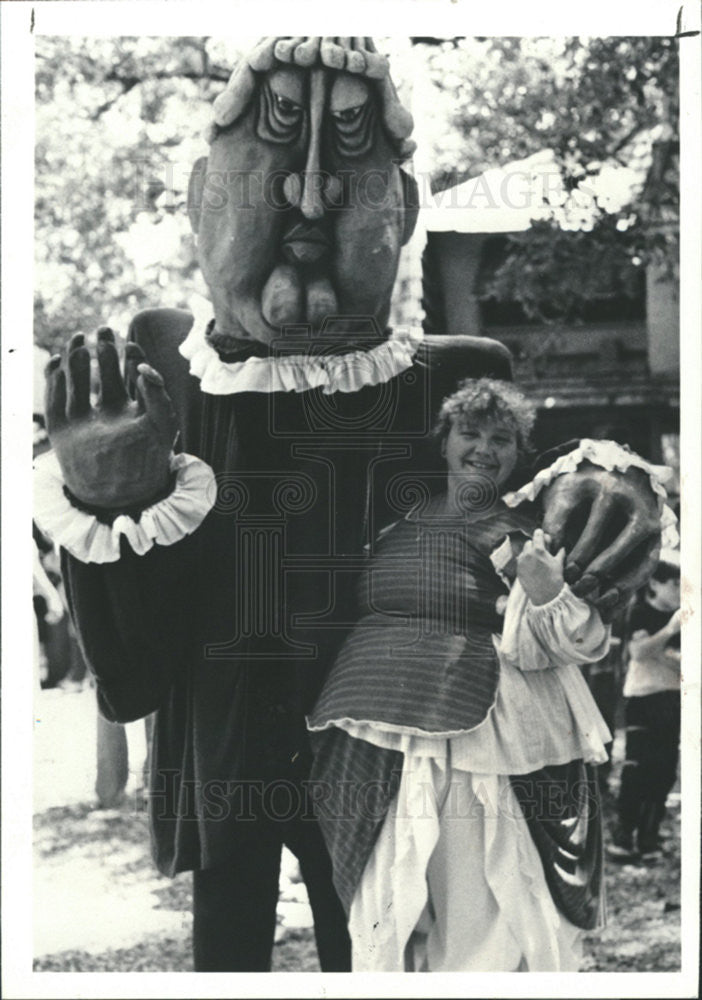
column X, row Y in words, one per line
column 586, row 99
column 119, row 124
column 593, row 102
column 557, row 274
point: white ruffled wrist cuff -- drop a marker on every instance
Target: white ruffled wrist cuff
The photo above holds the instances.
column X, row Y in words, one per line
column 609, row 455
column 563, row 594
column 91, row 541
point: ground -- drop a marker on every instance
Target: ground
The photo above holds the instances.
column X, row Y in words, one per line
column 99, row 905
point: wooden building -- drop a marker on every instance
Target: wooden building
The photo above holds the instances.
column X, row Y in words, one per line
column 613, row 374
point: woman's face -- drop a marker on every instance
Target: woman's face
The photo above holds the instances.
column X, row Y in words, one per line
column 484, row 447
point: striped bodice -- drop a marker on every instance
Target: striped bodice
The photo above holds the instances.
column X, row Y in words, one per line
column 422, row 655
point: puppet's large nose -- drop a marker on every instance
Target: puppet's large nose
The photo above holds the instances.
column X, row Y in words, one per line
column 313, row 189
column 311, row 203
column 313, row 192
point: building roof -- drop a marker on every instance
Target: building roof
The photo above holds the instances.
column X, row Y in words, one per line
column 510, row 198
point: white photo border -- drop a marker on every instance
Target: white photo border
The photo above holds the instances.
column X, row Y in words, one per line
column 21, row 22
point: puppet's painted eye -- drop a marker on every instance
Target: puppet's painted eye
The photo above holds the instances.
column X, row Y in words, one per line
column 285, row 106
column 348, row 115
column 354, row 129
column 352, row 112
column 281, row 113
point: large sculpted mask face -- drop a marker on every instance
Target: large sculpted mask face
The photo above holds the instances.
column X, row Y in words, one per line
column 301, row 208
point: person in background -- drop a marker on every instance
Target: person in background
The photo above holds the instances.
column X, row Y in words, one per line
column 48, row 611
column 604, row 679
column 652, row 690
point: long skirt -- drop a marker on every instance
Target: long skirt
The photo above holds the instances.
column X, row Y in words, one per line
column 456, row 883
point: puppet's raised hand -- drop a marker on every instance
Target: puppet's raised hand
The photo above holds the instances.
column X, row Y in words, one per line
column 609, row 523
column 115, row 454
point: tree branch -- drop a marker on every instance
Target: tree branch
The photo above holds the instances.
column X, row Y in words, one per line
column 128, row 83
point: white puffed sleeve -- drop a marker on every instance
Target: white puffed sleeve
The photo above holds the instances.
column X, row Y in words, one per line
column 566, row 630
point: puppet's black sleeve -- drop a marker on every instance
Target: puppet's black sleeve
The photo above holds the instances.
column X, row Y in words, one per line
column 134, row 620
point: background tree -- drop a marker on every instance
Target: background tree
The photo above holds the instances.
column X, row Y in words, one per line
column 593, row 101
column 119, row 123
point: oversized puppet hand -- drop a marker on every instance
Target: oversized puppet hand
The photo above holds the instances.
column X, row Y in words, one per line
column 115, row 454
column 609, row 523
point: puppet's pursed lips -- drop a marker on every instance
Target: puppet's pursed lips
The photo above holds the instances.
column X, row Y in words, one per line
column 305, row 244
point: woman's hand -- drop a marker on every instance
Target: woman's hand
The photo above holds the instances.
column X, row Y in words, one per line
column 540, row 573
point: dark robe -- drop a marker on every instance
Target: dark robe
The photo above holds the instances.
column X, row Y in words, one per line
column 229, row 633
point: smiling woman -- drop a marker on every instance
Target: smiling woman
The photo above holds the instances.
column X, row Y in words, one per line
column 481, row 447
column 453, row 705
column 484, row 428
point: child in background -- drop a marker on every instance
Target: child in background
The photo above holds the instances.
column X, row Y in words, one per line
column 652, row 690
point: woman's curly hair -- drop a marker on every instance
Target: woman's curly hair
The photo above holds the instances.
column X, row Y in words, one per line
column 489, row 398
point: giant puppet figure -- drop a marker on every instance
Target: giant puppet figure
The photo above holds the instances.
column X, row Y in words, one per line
column 214, row 503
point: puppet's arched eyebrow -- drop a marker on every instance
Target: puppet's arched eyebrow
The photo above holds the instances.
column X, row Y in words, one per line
column 347, row 92
column 288, row 83
column 355, row 55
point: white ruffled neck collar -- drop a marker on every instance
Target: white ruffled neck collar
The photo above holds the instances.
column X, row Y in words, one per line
column 298, row 372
